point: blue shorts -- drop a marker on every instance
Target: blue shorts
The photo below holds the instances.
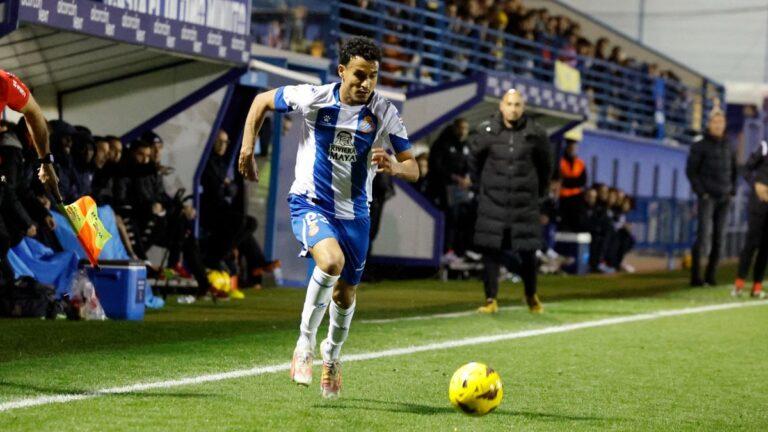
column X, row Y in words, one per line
column 311, row 224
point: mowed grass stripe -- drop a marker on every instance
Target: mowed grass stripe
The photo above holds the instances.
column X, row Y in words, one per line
column 261, row 370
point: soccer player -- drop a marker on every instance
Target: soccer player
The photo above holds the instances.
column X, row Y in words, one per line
column 16, row 96
column 346, row 130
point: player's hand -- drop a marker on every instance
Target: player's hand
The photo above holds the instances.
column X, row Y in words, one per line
column 32, row 231
column 762, row 191
column 247, row 166
column 385, row 163
column 48, row 177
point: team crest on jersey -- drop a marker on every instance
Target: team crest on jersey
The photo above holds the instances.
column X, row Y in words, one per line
column 343, row 148
column 367, row 125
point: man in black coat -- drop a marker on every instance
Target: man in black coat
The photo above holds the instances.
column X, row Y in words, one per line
column 511, row 162
column 711, row 169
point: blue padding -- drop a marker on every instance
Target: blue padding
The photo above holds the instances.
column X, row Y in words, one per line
column 281, row 105
column 32, row 258
column 399, row 144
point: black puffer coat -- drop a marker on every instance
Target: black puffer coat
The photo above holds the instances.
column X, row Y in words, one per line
column 511, row 168
column 711, row 167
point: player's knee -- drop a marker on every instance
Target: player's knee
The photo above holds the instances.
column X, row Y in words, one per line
column 331, row 262
column 344, row 297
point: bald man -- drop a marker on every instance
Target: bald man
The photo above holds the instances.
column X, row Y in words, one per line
column 511, row 161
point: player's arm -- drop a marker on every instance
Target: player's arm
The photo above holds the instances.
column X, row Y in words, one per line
column 262, row 103
column 38, row 125
column 403, row 165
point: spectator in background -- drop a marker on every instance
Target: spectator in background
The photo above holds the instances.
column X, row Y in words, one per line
column 596, row 221
column 224, row 219
column 82, row 155
column 757, row 234
column 622, row 241
column 115, row 149
column 62, row 139
column 103, row 183
column 711, row 169
column 573, row 178
column 510, row 162
column 449, row 184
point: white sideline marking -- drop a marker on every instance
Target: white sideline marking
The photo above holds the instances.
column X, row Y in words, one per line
column 433, row 316
column 64, row 398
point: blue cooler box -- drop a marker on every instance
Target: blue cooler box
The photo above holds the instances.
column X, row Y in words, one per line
column 120, row 286
column 576, row 246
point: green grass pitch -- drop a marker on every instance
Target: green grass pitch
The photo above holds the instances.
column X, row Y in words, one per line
column 694, row 372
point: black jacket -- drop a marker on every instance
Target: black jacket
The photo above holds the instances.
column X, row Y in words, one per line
column 138, row 188
column 512, row 168
column 447, row 157
column 711, row 167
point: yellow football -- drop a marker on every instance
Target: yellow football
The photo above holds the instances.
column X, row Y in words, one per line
column 475, row 389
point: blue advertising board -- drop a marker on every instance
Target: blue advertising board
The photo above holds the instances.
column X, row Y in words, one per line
column 149, row 28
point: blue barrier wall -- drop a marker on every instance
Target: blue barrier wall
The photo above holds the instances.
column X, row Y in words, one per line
column 639, row 166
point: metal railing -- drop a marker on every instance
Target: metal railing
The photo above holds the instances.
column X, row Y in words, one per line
column 424, row 48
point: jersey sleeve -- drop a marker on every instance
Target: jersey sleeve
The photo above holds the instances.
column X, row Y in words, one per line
column 17, row 94
column 394, row 134
column 298, row 97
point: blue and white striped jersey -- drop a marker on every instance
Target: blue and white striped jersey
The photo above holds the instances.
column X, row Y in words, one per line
column 333, row 163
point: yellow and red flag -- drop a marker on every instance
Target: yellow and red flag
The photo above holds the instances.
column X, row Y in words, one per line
column 90, row 231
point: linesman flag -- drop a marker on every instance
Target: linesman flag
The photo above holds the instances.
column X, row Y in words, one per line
column 84, row 218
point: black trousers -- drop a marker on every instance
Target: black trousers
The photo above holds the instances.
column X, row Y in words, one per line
column 521, row 262
column 620, row 244
column 710, row 233
column 757, row 240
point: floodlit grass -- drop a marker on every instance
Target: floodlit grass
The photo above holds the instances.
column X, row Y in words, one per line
column 693, row 372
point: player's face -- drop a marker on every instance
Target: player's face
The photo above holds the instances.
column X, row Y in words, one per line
column 358, row 79
column 512, row 107
column 717, row 126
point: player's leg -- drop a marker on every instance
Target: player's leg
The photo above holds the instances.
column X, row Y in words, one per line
column 753, row 240
column 317, row 236
column 354, row 241
column 761, row 261
column 329, row 260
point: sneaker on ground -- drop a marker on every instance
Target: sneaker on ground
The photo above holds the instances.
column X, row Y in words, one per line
column 330, row 380
column 301, row 367
column 534, row 304
column 186, row 299
column 629, row 268
column 490, row 307
column 474, row 256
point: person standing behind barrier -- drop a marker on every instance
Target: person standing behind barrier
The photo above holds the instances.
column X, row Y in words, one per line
column 573, row 177
column 757, row 234
column 448, row 184
column 711, row 169
column 510, row 161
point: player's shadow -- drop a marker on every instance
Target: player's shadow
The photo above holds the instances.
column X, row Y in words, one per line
column 414, row 408
column 51, row 390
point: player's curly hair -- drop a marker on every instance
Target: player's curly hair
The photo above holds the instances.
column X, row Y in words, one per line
column 359, row 46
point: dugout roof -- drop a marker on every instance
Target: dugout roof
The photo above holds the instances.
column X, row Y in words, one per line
column 76, row 43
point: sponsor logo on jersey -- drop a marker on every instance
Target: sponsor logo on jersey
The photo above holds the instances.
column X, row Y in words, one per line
column 343, row 148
